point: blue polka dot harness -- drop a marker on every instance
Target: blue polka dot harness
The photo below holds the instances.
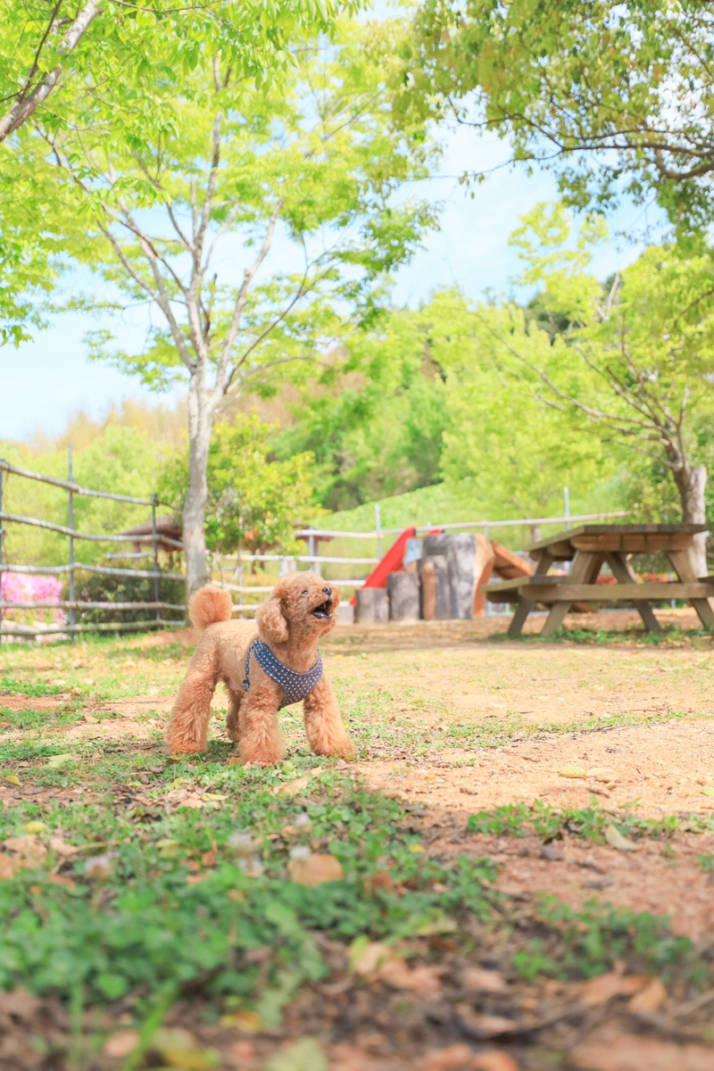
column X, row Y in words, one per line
column 295, row 686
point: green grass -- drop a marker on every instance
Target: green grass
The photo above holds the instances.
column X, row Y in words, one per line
column 590, row 823
column 13, row 686
column 159, row 880
column 136, row 922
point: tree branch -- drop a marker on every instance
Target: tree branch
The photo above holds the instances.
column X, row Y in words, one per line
column 30, row 99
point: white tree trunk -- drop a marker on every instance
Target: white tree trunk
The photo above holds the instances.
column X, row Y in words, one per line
column 691, row 485
column 200, row 422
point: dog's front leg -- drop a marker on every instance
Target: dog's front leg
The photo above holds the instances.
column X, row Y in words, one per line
column 323, row 724
column 259, row 741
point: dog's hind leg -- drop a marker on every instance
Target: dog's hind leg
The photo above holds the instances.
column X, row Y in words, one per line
column 323, row 724
column 191, row 711
column 233, row 719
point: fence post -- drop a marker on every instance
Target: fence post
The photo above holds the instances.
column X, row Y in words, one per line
column 2, row 537
column 566, row 505
column 155, row 542
column 378, row 525
column 70, row 525
column 312, row 545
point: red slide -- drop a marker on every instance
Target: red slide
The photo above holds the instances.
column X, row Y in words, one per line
column 392, row 562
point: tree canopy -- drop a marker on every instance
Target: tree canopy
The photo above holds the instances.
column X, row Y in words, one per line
column 257, row 217
column 617, row 98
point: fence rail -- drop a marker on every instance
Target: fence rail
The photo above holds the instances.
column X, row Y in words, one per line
column 231, row 576
column 72, row 604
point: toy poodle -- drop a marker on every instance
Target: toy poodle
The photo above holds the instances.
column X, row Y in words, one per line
column 262, row 672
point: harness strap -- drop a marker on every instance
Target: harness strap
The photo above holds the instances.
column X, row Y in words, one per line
column 295, row 685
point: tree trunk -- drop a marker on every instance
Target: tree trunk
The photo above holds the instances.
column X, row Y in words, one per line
column 200, row 421
column 691, row 485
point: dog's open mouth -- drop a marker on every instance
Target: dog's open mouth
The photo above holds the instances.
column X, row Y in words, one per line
column 323, row 610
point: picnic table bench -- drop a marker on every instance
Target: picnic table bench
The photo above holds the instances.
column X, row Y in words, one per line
column 591, row 547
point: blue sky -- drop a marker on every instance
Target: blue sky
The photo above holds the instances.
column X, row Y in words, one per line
column 48, row 379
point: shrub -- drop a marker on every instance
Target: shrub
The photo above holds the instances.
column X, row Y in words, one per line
column 96, row 587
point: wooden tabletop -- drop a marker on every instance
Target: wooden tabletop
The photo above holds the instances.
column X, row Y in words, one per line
column 626, row 538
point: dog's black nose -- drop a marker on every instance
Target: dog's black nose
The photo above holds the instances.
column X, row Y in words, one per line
column 327, row 591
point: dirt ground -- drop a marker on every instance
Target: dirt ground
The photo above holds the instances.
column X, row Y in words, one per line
column 454, row 719
column 462, row 720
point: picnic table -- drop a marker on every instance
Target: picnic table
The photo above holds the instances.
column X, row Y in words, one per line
column 593, row 546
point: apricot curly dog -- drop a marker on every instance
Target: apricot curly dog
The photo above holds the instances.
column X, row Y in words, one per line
column 263, row 672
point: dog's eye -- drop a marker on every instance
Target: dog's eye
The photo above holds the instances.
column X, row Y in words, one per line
column 305, row 592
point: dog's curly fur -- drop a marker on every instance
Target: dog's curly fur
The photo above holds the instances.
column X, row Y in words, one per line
column 287, row 623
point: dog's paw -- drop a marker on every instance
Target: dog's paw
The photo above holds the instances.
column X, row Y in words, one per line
column 186, row 748
column 343, row 748
column 261, row 755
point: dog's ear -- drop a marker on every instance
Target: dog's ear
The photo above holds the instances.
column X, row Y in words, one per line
column 271, row 621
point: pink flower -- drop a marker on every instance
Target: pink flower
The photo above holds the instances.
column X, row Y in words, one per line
column 28, row 587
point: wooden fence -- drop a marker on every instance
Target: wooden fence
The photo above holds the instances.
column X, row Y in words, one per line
column 72, row 604
column 228, row 571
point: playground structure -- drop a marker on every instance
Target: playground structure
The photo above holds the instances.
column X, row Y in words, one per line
column 440, row 577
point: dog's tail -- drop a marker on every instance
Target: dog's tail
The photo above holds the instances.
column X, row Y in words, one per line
column 208, row 605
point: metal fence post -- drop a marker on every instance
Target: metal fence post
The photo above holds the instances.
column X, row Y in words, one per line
column 155, row 540
column 70, row 524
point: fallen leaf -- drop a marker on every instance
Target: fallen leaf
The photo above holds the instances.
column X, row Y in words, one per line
column 242, row 1055
column 19, row 1003
column 12, row 779
column 484, row 1026
column 180, row 1049
column 191, row 799
column 315, row 870
column 615, row 839
column 306, row 1054
column 603, row 987
column 60, row 879
column 242, row 844
column 55, row 761
column 30, row 847
column 366, row 956
column 35, row 827
column 632, row 1052
column 452, row 1058
column 381, row 879
column 10, row 865
column 292, row 788
column 250, row 1022
column 650, row 998
column 209, row 858
column 483, row 980
column 61, row 847
column 422, row 980
column 707, row 790
column 572, row 771
column 120, row 1045
column 493, row 1060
